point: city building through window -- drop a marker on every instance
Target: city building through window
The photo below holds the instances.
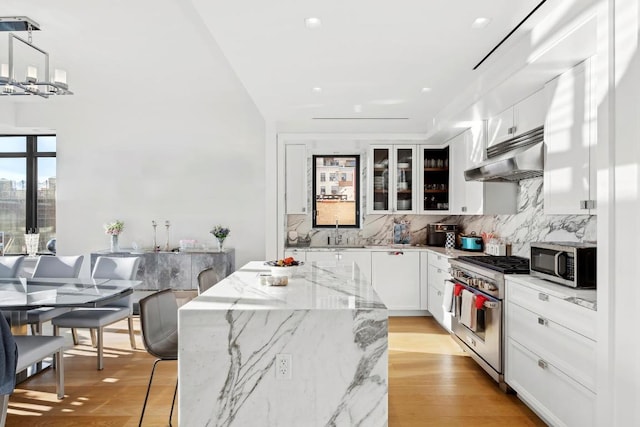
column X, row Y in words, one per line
column 27, row 190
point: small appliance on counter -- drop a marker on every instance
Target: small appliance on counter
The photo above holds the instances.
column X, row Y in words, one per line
column 497, row 247
column 437, row 233
column 570, row 264
column 471, row 242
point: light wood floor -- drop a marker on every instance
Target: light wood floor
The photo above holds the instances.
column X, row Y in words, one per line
column 431, row 383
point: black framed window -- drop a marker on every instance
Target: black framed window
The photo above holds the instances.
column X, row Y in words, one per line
column 336, row 190
column 27, row 190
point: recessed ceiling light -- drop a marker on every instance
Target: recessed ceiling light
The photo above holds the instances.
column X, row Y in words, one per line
column 317, row 90
column 357, row 108
column 312, row 23
column 480, row 23
column 425, row 89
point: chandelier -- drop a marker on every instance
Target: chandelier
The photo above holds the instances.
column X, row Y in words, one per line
column 32, row 79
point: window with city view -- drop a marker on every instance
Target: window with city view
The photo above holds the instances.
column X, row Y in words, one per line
column 27, row 190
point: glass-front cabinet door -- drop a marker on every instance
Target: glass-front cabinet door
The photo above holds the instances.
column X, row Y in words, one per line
column 392, row 180
column 405, row 179
column 379, row 200
column 434, row 179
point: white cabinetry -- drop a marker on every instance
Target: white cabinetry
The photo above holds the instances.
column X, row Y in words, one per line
column 524, row 116
column 437, row 272
column 392, row 179
column 570, row 140
column 435, row 179
column 474, row 197
column 296, row 179
column 395, row 276
column 551, row 354
column 361, row 258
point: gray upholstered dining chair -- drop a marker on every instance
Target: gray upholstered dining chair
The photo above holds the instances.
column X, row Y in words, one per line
column 96, row 319
column 207, row 278
column 53, row 267
column 10, row 265
column 159, row 324
column 18, row 353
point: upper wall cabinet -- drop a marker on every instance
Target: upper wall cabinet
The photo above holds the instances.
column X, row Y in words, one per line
column 296, row 179
column 526, row 115
column 392, row 179
column 570, row 140
column 435, row 179
column 474, row 197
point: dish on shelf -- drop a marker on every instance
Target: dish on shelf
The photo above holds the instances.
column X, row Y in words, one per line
column 403, row 165
column 403, row 185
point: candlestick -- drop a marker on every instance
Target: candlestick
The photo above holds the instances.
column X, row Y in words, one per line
column 166, row 246
column 155, row 243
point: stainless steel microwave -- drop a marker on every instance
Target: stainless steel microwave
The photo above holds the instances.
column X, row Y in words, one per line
column 567, row 263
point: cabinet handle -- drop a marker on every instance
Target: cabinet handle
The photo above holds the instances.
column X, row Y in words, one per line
column 304, row 209
column 439, row 271
column 439, row 293
column 542, row 321
column 543, row 297
column 583, row 204
column 464, row 209
column 395, row 253
column 542, row 364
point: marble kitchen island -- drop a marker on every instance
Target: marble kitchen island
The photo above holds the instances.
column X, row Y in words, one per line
column 328, row 319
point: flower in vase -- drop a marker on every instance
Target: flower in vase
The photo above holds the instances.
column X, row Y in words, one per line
column 220, row 232
column 114, row 228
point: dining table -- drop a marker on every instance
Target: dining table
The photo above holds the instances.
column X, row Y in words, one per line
column 19, row 295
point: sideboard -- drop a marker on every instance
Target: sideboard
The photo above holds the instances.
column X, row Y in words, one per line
column 175, row 270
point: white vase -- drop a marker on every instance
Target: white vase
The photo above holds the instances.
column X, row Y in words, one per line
column 220, row 243
column 115, row 247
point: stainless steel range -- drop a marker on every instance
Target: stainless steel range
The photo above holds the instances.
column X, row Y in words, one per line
column 477, row 305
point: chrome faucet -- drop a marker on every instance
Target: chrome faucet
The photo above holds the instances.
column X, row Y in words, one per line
column 338, row 238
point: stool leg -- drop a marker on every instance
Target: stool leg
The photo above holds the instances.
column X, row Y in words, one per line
column 146, row 397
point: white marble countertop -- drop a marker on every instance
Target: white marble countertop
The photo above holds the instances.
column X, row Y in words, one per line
column 313, row 286
column 586, row 298
column 439, row 249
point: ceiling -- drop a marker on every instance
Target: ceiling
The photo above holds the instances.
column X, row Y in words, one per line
column 370, row 57
column 369, row 53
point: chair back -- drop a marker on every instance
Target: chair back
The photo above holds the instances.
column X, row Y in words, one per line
column 207, row 278
column 10, row 266
column 159, row 324
column 116, row 268
column 58, row 266
column 8, row 358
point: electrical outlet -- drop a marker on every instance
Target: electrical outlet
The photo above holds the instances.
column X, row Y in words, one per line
column 283, row 366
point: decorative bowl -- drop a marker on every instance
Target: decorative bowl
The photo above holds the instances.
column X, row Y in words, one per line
column 283, row 270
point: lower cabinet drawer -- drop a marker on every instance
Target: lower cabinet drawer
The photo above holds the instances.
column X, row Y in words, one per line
column 571, row 352
column 557, row 398
column 436, row 310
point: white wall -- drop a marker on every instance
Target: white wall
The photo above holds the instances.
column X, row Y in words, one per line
column 619, row 203
column 159, row 128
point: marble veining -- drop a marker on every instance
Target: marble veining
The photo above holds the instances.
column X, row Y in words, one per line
column 328, row 318
column 529, row 224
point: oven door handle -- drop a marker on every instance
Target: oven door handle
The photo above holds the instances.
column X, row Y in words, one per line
column 477, row 292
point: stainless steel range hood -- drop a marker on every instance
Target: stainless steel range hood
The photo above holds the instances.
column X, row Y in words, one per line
column 518, row 158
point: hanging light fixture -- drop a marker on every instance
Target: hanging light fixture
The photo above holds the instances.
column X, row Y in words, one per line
column 45, row 86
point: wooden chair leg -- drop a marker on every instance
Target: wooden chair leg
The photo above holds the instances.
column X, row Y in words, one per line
column 100, row 349
column 74, row 334
column 93, row 337
column 132, row 337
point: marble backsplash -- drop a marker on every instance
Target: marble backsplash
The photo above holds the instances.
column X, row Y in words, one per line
column 529, row 224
